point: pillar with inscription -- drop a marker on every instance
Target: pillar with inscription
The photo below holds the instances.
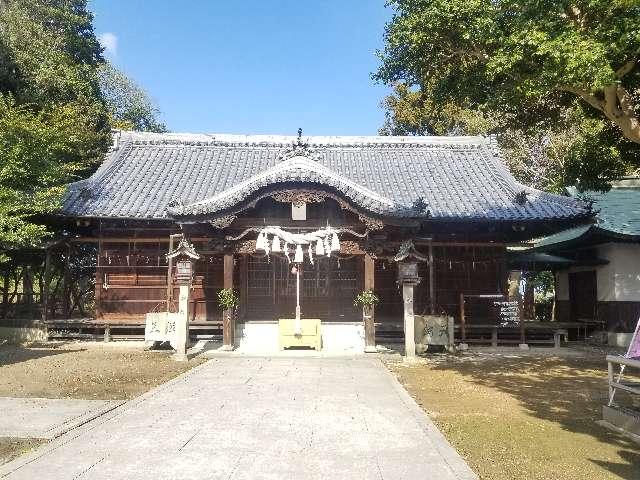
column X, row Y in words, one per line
column 408, row 278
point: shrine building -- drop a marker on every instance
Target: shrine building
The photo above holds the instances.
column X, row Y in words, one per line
column 451, row 201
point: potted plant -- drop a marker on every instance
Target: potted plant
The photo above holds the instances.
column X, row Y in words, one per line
column 367, row 300
column 228, row 301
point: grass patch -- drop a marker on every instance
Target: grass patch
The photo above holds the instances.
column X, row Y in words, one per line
column 524, row 416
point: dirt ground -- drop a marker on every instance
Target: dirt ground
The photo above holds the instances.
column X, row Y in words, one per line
column 79, row 370
column 11, row 448
column 85, row 370
column 524, row 416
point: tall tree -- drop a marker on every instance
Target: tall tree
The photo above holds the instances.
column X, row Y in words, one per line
column 54, row 125
column 541, row 66
column 129, row 105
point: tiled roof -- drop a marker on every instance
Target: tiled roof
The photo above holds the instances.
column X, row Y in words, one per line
column 157, row 176
column 618, row 215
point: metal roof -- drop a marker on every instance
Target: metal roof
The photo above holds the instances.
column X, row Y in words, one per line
column 160, row 176
column 618, row 217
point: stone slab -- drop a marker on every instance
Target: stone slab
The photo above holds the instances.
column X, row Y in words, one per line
column 252, row 417
column 46, row 417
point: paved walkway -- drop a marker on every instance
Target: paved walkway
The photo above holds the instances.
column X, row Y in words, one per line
column 47, row 417
column 250, row 418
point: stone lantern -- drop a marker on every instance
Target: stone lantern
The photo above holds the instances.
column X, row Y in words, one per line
column 184, row 257
column 408, row 258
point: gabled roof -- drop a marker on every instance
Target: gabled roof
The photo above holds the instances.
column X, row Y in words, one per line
column 617, row 219
column 163, row 176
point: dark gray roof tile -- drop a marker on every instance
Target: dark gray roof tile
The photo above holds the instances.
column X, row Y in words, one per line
column 458, row 177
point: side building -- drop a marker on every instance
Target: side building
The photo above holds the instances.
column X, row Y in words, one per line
column 603, row 282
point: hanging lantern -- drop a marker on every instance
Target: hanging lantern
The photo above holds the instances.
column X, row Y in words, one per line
column 275, row 246
column 310, row 250
column 267, row 247
column 327, row 247
column 335, row 243
column 319, row 248
column 299, row 258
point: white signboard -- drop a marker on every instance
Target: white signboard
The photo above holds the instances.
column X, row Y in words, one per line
column 160, row 327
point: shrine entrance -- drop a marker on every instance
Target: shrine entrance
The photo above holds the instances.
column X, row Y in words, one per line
column 327, row 288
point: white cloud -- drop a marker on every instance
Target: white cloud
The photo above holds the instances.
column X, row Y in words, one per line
column 109, row 41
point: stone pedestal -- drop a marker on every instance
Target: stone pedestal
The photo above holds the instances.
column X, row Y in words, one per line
column 182, row 325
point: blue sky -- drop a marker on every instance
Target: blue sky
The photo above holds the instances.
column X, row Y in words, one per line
column 254, row 66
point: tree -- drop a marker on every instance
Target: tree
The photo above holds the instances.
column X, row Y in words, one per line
column 129, row 105
column 543, row 66
column 53, row 123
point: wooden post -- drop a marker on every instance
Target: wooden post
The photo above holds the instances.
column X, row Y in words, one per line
column 463, row 324
column 369, row 317
column 5, row 293
column 99, row 282
column 170, row 271
column 45, row 286
column 66, row 284
column 228, row 320
column 432, row 286
column 244, row 284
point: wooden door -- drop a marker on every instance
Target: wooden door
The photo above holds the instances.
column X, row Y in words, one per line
column 583, row 295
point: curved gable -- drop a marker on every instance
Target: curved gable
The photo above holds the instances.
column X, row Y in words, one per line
column 296, row 169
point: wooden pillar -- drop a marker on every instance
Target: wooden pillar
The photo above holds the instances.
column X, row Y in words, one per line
column 432, row 285
column 66, row 284
column 463, row 324
column 369, row 313
column 228, row 320
column 5, row 293
column 99, row 281
column 170, row 271
column 244, row 284
column 46, row 278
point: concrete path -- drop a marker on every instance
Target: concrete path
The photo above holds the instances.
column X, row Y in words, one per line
column 46, row 417
column 250, row 418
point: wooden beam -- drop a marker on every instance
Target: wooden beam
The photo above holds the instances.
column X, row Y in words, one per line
column 228, row 320
column 369, row 320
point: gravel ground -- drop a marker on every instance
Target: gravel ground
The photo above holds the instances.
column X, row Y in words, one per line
column 114, row 371
column 524, row 416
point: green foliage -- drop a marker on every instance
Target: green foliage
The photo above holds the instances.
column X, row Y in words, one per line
column 129, row 105
column 366, row 299
column 53, row 123
column 227, row 299
column 559, row 82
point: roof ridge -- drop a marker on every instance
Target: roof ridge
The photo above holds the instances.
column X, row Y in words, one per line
column 151, row 138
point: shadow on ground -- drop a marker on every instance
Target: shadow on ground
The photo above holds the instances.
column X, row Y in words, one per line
column 11, row 354
column 566, row 391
